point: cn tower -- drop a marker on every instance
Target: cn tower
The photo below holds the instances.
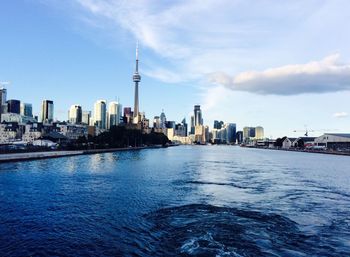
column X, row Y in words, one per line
column 136, row 78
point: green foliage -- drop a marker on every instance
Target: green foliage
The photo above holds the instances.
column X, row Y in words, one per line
column 279, row 141
column 120, row 136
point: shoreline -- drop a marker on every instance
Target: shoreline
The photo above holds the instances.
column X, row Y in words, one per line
column 30, row 156
column 301, row 151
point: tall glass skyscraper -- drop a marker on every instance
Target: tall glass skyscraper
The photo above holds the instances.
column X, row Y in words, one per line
column 86, row 116
column 162, row 120
column 231, row 133
column 26, row 110
column 198, row 119
column 114, row 114
column 100, row 114
column 75, row 114
column 192, row 125
column 3, row 104
column 13, row 106
column 47, row 111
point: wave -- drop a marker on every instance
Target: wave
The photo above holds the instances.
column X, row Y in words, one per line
column 206, row 230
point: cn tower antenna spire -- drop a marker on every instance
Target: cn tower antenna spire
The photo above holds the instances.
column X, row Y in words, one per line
column 136, row 79
column 137, row 56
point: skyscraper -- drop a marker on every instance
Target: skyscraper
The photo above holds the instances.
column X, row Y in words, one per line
column 192, row 126
column 136, row 78
column 162, row 120
column 26, row 109
column 218, row 124
column 14, row 106
column 198, row 119
column 85, row 117
column 231, row 133
column 100, row 109
column 3, row 104
column 156, row 122
column 259, row 132
column 75, row 114
column 127, row 117
column 239, row 136
column 183, row 122
column 47, row 111
column 114, row 114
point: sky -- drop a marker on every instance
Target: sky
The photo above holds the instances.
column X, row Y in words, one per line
column 283, row 65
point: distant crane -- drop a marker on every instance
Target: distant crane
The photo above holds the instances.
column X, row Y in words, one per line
column 306, row 130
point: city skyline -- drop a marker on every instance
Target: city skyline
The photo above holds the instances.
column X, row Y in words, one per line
column 226, row 77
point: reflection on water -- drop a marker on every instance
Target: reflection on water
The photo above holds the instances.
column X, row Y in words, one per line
column 190, row 201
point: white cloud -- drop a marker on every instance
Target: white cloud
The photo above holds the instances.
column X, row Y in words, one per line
column 222, row 38
column 198, row 38
column 340, row 115
column 327, row 75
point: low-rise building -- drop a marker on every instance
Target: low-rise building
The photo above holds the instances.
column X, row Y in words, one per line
column 302, row 142
column 335, row 141
column 8, row 133
column 188, row 140
column 73, row 131
column 15, row 117
column 288, row 142
column 32, row 132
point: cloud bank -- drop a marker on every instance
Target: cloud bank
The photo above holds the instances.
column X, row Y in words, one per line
column 222, row 38
column 340, row 115
column 327, row 75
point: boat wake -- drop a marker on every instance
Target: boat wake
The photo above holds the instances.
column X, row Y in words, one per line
column 205, row 230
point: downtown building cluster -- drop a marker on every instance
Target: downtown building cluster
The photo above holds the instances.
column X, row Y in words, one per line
column 19, row 126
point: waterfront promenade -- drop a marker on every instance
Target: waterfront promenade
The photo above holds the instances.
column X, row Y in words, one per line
column 12, row 157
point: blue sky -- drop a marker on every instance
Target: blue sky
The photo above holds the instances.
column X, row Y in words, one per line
column 278, row 64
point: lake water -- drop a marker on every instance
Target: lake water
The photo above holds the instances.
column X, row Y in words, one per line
column 186, row 200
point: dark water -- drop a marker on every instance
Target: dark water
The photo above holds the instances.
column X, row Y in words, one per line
column 189, row 201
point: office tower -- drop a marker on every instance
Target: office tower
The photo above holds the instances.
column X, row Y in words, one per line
column 114, row 114
column 127, row 117
column 249, row 133
column 181, row 129
column 170, row 124
column 198, row 120
column 75, row 114
column 252, row 132
column 156, row 122
column 3, row 94
column 3, row 104
column 119, row 113
column 85, row 117
column 259, row 132
column 239, row 136
column 136, row 78
column 218, row 124
column 162, row 120
column 127, row 111
column 183, row 122
column 47, row 111
column 100, row 109
column 230, row 133
column 246, row 133
column 14, row 106
column 26, row 109
column 192, row 126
